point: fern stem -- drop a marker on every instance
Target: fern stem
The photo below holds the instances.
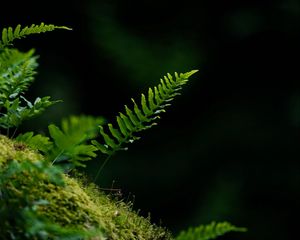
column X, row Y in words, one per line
column 14, row 133
column 102, row 166
column 58, row 155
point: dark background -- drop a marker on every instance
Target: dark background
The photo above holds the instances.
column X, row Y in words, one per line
column 228, row 148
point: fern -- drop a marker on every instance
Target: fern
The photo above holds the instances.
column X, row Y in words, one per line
column 68, row 145
column 17, row 72
column 70, row 148
column 9, row 34
column 141, row 117
column 71, row 141
column 15, row 113
column 37, row 142
column 82, row 125
column 210, row 231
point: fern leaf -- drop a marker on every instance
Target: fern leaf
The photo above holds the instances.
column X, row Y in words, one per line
column 17, row 72
column 142, row 116
column 68, row 148
column 210, row 231
column 16, row 112
column 82, row 125
column 37, row 142
column 70, row 141
column 115, row 133
column 9, row 35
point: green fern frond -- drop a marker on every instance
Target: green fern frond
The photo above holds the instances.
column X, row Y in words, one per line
column 37, row 142
column 82, row 125
column 69, row 149
column 143, row 116
column 9, row 34
column 71, row 145
column 16, row 112
column 210, row 231
column 17, row 72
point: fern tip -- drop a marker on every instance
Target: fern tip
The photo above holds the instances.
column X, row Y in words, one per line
column 64, row 27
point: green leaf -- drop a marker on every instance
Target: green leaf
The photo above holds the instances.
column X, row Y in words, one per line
column 60, row 139
column 209, row 231
column 145, row 108
column 110, row 142
column 151, row 99
column 132, row 117
column 71, row 141
column 139, row 113
column 127, row 122
column 82, row 125
column 38, row 142
column 17, row 71
column 104, row 149
column 122, row 127
column 8, row 35
column 115, row 133
column 141, row 117
column 16, row 113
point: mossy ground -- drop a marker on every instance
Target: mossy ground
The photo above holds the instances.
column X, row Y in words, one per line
column 77, row 204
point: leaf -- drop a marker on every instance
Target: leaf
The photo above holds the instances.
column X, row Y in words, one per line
column 115, row 133
column 82, row 125
column 38, row 142
column 17, row 71
column 141, row 117
column 16, row 113
column 71, row 140
column 209, row 231
column 9, row 35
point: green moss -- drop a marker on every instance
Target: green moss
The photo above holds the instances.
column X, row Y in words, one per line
column 77, row 205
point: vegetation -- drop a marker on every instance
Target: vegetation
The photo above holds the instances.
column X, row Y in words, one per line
column 41, row 194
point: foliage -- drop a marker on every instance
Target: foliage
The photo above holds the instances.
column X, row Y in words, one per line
column 9, row 34
column 210, row 231
column 37, row 142
column 141, row 118
column 70, row 146
column 31, row 183
column 17, row 72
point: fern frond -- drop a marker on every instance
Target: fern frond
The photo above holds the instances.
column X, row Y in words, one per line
column 9, row 34
column 16, row 113
column 37, row 142
column 17, row 72
column 82, row 125
column 210, row 231
column 143, row 116
column 71, row 145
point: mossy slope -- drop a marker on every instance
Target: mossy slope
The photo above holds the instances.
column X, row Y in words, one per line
column 75, row 204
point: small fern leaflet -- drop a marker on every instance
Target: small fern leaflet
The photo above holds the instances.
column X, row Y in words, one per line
column 209, row 231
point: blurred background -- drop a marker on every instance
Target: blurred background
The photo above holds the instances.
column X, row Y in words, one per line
column 228, row 148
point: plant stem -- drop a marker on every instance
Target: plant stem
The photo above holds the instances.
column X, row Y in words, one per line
column 102, row 166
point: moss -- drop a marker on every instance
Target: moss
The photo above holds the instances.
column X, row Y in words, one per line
column 78, row 205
